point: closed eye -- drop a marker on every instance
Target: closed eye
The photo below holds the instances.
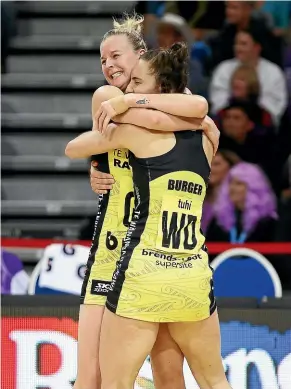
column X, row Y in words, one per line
column 136, row 81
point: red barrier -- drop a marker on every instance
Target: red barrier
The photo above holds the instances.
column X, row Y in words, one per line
column 213, row 248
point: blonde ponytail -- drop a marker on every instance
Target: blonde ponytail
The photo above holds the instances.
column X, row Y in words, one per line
column 131, row 26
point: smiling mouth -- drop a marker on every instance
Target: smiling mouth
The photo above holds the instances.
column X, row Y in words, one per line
column 115, row 75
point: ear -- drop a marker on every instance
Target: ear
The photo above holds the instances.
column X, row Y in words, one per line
column 141, row 52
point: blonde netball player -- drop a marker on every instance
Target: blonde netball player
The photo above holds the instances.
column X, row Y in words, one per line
column 163, row 275
column 120, row 50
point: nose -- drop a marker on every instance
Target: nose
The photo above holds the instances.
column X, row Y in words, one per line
column 109, row 63
column 129, row 89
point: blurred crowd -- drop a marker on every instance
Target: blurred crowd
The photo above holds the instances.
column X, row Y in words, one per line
column 240, row 55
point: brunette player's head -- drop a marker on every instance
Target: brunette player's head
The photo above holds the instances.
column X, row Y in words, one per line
column 161, row 71
column 120, row 50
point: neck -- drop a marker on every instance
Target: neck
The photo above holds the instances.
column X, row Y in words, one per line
column 240, row 138
column 253, row 62
column 213, row 194
column 242, row 24
column 240, row 205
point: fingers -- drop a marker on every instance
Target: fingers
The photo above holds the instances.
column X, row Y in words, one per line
column 102, row 183
column 102, row 117
column 101, row 186
column 100, row 175
column 214, row 141
column 98, row 191
column 96, row 119
column 111, row 126
column 105, row 123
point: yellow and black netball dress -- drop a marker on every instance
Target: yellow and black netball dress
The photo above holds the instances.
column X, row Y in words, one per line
column 163, row 274
column 112, row 220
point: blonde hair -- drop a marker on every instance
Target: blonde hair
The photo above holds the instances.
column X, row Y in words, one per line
column 249, row 75
column 129, row 23
column 131, row 26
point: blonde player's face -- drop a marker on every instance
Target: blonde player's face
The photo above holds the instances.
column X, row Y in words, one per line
column 142, row 79
column 117, row 60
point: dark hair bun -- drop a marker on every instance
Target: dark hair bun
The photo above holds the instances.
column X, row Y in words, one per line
column 170, row 67
column 180, row 51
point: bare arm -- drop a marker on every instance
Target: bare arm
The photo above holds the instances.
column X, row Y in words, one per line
column 160, row 121
column 157, row 120
column 92, row 142
column 174, row 104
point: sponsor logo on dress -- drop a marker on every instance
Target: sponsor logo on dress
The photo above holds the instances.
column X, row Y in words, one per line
column 170, row 261
column 101, row 288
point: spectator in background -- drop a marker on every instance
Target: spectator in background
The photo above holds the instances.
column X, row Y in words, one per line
column 245, row 87
column 284, row 225
column 283, row 233
column 238, row 134
column 171, row 29
column 151, row 10
column 205, row 19
column 221, row 164
column 287, row 70
column 14, row 279
column 201, row 16
column 273, row 89
column 245, row 209
column 245, row 84
column 277, row 14
column 239, row 17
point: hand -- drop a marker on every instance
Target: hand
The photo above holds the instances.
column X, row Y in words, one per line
column 108, row 109
column 100, row 182
column 212, row 132
column 103, row 116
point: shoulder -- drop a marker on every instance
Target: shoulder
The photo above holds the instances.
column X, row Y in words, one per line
column 227, row 65
column 102, row 94
column 106, row 92
column 270, row 67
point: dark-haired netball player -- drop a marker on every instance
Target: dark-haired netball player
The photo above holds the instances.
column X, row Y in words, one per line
column 163, row 274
